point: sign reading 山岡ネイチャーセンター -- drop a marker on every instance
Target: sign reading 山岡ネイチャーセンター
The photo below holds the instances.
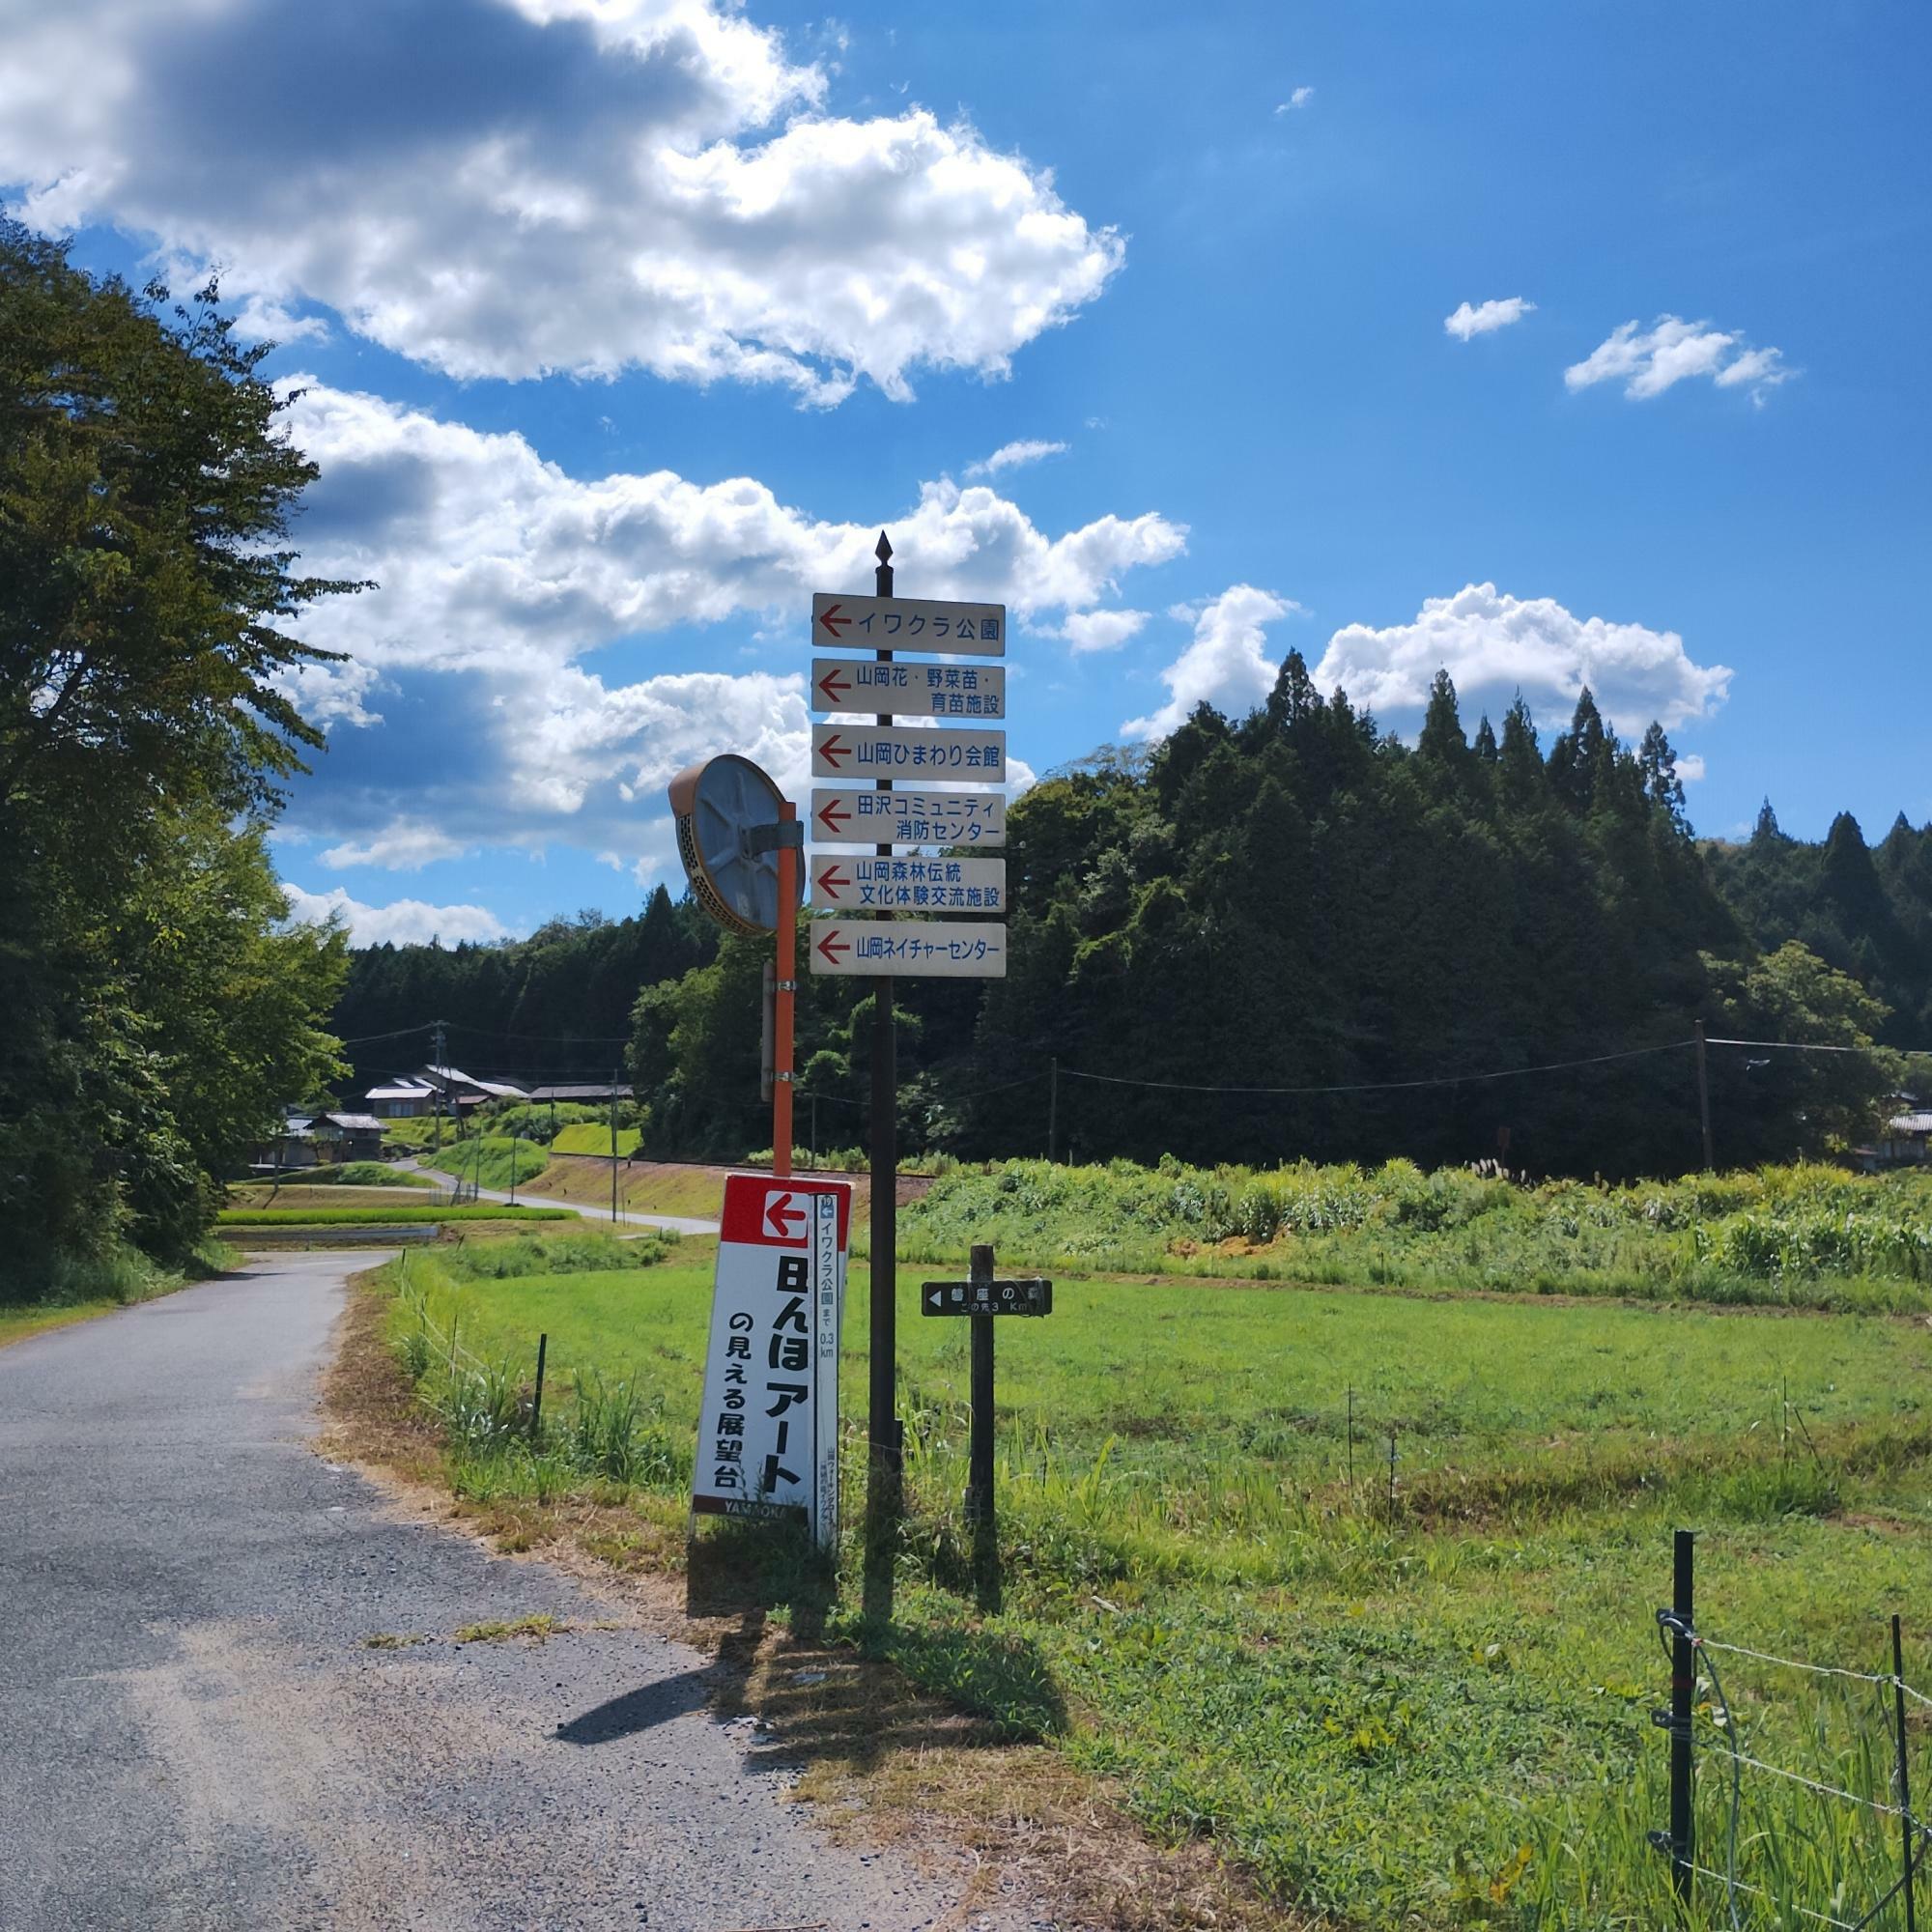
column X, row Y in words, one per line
column 956, row 950
column 904, row 690
column 964, row 754
column 907, row 882
column 908, row 624
column 768, row 1431
column 910, row 817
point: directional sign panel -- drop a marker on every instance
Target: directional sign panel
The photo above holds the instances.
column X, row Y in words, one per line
column 1031, row 1294
column 914, row 817
column 844, row 883
column 976, row 755
column 908, row 949
column 908, row 690
column 908, row 624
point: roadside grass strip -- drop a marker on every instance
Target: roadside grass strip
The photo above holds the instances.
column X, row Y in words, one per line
column 401, row 1215
column 1403, row 1687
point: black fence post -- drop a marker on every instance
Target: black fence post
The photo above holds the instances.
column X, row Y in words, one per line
column 979, row 1508
column 1682, row 1704
column 536, row 1400
column 1907, row 1830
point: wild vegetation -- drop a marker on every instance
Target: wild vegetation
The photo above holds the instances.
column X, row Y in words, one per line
column 1359, row 1585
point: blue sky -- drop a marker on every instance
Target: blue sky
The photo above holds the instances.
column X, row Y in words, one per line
column 628, row 324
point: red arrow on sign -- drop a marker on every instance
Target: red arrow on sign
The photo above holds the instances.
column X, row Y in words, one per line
column 833, row 684
column 833, row 750
column 779, row 1214
column 834, row 947
column 832, row 620
column 831, row 879
column 834, row 816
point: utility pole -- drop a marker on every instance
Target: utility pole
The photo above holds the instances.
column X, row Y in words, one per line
column 1704, row 1098
column 1053, row 1110
column 442, row 1060
column 882, row 1424
column 614, row 1144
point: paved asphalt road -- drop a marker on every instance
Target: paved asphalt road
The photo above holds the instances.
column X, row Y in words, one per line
column 684, row 1224
column 194, row 1735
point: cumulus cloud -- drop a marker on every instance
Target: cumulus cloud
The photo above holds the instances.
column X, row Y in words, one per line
column 1102, row 630
column 509, row 187
column 1014, row 456
column 1484, row 317
column 1228, row 664
column 1300, row 98
column 400, row 922
column 1492, row 645
column 503, row 580
column 1649, row 361
column 404, row 845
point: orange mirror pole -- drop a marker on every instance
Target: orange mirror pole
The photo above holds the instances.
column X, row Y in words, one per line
column 789, row 859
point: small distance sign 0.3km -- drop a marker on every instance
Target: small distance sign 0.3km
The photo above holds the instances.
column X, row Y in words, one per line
column 914, row 948
column 912, row 817
column 908, row 624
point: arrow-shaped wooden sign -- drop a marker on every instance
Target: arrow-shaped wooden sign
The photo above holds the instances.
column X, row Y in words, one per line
column 845, row 883
column 909, row 624
column 972, row 755
column 902, row 690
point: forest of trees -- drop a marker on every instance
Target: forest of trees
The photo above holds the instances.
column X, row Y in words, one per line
column 1297, row 900
column 156, row 1007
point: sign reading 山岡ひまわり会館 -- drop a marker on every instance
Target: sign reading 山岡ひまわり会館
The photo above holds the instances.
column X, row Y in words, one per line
column 768, row 1431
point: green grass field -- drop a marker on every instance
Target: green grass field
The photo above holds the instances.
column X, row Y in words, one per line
column 404, row 1214
column 1435, row 1714
column 594, row 1137
column 491, row 1160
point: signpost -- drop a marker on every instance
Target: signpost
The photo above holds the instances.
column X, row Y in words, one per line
column 768, row 1431
column 842, row 882
column 982, row 1298
column 909, row 690
column 922, row 950
column 975, row 755
column 914, row 817
column 889, row 623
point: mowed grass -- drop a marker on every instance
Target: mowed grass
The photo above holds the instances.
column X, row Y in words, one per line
column 643, row 1187
column 1434, row 1713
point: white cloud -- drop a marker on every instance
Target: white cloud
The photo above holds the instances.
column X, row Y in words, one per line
column 1690, row 766
column 1493, row 645
column 1014, row 456
column 1649, row 361
column 503, row 578
column 1102, row 630
column 507, row 187
column 404, row 845
column 400, row 922
column 1228, row 664
column 1486, row 317
column 1300, row 98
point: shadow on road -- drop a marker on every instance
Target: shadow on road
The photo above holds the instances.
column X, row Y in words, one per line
column 639, row 1710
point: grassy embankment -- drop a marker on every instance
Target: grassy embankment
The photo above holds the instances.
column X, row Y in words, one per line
column 1432, row 1711
column 82, row 1289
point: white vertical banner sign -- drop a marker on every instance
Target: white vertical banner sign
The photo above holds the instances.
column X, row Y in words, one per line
column 771, row 1370
column 828, row 1309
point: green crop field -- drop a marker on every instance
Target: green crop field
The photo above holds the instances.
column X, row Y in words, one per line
column 1426, row 1703
column 380, row 1217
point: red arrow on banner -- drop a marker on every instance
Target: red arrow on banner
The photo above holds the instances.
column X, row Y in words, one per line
column 833, row 684
column 832, row 620
column 833, row 750
column 831, row 879
column 832, row 816
column 834, row 947
column 779, row 1214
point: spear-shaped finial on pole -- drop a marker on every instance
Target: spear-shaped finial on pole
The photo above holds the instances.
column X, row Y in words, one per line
column 884, row 572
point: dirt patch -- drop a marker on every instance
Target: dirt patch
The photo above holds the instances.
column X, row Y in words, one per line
column 881, row 1761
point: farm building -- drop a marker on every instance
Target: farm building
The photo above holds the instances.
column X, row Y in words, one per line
column 1906, row 1141
column 593, row 1095
column 414, row 1097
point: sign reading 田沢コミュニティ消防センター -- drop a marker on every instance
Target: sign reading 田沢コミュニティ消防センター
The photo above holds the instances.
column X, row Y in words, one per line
column 907, row 882
column 768, row 1431
column 904, row 690
column 908, row 624
column 958, row 754
column 914, row 816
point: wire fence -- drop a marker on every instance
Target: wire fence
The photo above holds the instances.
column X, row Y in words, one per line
column 1691, row 1648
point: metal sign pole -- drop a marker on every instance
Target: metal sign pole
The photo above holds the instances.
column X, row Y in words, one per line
column 882, row 1424
column 785, row 990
